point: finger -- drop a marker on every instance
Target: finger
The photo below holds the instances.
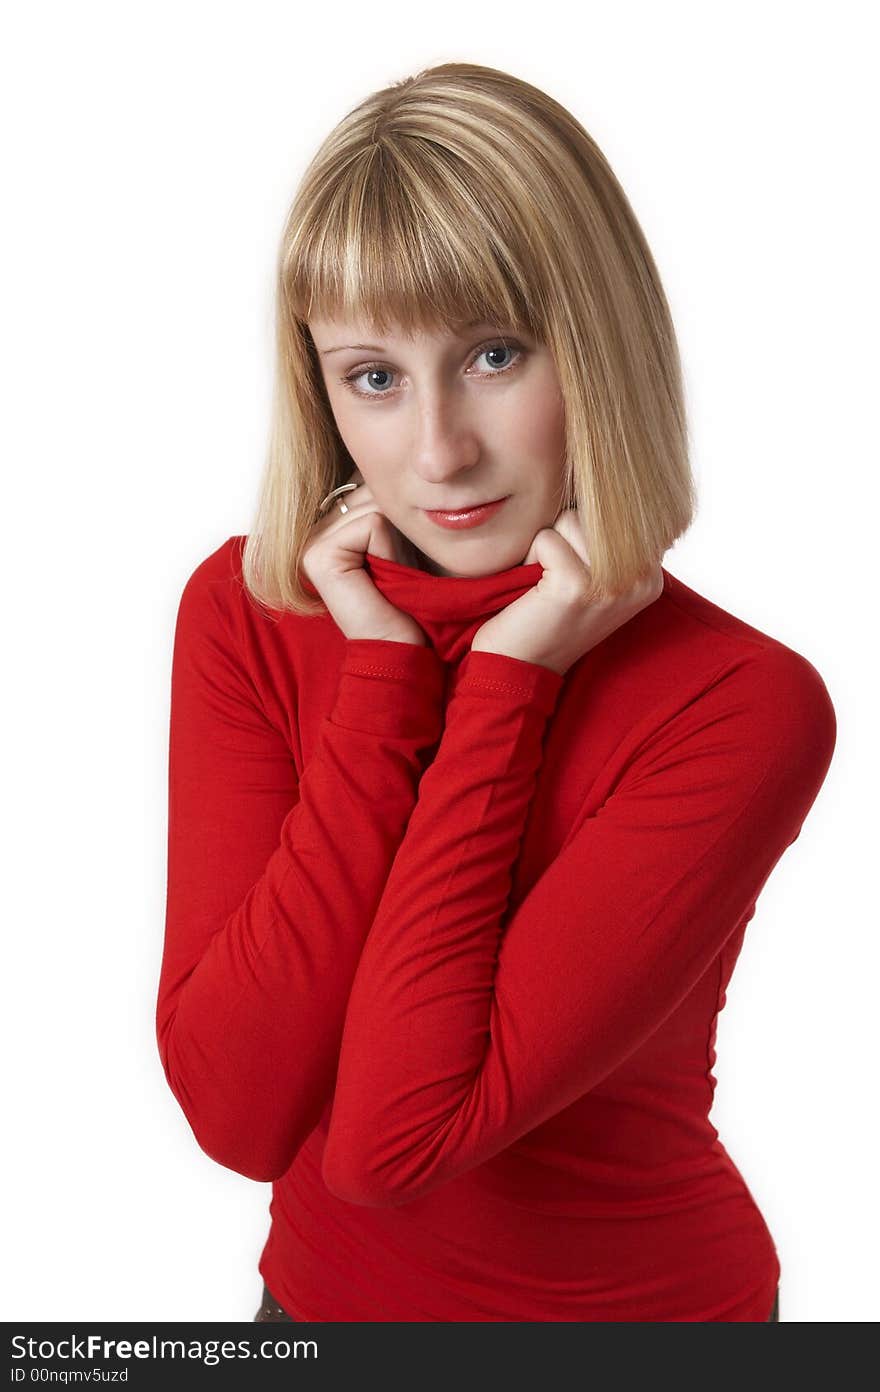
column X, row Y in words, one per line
column 569, row 525
column 556, row 554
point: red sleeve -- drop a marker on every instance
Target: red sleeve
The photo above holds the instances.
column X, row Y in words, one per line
column 272, row 883
column 464, row 1031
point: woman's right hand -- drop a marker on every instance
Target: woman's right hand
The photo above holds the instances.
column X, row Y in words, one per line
column 333, row 559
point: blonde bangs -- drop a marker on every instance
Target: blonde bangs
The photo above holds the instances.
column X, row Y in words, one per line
column 406, row 236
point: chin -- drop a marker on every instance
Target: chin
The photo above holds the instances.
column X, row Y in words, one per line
column 495, row 558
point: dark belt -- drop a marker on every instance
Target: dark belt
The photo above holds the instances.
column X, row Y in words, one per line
column 270, row 1312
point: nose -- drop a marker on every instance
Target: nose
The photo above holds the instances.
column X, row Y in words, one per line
column 445, row 443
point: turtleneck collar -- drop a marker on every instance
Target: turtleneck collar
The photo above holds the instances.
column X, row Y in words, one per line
column 450, row 608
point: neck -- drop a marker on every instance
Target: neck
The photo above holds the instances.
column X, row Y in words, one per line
column 450, row 608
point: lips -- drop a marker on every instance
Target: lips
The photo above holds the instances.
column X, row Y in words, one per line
column 465, row 517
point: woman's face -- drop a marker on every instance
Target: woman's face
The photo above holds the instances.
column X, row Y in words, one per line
column 446, row 421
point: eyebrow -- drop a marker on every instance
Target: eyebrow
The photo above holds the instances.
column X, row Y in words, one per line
column 376, row 348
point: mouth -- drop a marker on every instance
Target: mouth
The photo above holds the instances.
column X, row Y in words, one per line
column 465, row 517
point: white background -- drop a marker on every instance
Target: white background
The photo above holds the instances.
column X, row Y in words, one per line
column 150, row 156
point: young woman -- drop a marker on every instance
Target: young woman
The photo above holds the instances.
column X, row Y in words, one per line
column 470, row 805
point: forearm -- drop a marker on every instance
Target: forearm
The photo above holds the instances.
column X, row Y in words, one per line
column 419, row 1013
column 249, row 1028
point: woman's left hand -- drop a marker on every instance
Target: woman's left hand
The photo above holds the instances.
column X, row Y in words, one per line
column 556, row 622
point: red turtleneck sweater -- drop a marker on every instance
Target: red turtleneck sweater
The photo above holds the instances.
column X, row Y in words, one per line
column 448, row 934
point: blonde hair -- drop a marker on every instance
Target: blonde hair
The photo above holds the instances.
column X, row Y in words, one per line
column 463, row 192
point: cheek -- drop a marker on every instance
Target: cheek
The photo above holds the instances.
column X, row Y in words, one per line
column 541, row 426
column 371, row 448
column 361, row 435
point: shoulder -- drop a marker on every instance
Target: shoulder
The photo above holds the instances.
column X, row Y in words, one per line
column 770, row 691
column 219, row 574
column 235, row 638
column 221, row 568
column 720, row 628
column 212, row 597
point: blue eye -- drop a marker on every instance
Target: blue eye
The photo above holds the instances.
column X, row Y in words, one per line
column 372, row 373
column 500, row 348
column 376, row 370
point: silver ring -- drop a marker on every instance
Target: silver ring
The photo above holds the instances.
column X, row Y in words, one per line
column 343, row 488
